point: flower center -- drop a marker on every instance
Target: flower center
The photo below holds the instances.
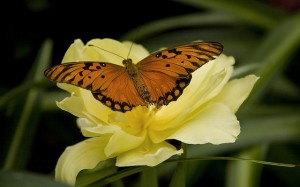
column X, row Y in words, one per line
column 135, row 122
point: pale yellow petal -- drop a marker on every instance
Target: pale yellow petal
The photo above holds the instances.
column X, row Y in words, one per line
column 202, row 89
column 95, row 107
column 111, row 50
column 72, row 104
column 70, row 88
column 121, row 141
column 206, row 82
column 84, row 155
column 215, row 124
column 236, row 91
column 148, row 154
column 90, row 129
column 74, row 52
column 81, row 103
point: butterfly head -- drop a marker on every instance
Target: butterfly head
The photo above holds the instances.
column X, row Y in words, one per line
column 127, row 62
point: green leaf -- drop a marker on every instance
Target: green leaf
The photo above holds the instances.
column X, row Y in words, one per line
column 27, row 112
column 48, row 103
column 118, row 176
column 183, row 21
column 18, row 91
column 274, row 54
column 149, row 177
column 103, row 169
column 246, row 174
column 26, row 179
column 253, row 12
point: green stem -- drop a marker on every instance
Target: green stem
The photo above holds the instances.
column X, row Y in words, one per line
column 18, row 151
column 179, row 178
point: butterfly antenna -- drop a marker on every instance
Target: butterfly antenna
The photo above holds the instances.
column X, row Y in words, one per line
column 129, row 50
column 134, row 38
column 107, row 51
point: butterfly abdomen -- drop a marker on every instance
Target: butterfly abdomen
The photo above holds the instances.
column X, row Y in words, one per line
column 142, row 90
column 139, row 84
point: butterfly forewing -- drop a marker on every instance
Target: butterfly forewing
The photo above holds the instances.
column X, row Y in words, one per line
column 188, row 57
column 89, row 75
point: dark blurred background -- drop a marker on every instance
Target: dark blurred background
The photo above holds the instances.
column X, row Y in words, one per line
column 27, row 23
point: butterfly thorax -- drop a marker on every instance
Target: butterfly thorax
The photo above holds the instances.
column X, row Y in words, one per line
column 130, row 67
column 139, row 84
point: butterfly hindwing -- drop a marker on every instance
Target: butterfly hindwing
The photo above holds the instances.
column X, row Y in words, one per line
column 162, row 87
column 120, row 95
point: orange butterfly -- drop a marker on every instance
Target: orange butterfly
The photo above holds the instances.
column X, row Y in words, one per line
column 157, row 79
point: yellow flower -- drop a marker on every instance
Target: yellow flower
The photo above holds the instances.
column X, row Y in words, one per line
column 204, row 113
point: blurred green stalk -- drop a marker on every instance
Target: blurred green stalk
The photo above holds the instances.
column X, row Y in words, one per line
column 18, row 150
